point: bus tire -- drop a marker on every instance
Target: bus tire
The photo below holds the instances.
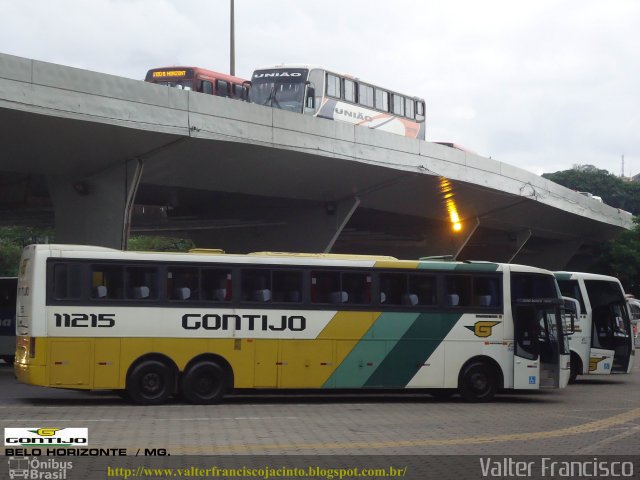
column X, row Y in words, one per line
column 204, row 383
column 575, row 368
column 150, row 382
column 478, row 382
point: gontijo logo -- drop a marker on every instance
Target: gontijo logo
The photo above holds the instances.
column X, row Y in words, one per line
column 36, row 437
column 482, row 329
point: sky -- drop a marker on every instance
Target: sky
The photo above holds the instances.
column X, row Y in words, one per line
column 543, row 85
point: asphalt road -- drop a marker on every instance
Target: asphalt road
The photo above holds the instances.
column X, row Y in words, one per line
column 596, row 416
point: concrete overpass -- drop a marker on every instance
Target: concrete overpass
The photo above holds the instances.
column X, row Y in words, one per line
column 91, row 149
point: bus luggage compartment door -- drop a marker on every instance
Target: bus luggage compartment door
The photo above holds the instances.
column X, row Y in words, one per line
column 70, row 363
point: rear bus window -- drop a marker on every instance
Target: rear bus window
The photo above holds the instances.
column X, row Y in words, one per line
column 67, row 280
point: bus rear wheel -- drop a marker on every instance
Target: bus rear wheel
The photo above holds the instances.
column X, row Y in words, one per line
column 150, row 383
column 478, row 383
column 204, row 383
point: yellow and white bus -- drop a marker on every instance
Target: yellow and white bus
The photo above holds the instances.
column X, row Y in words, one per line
column 202, row 324
column 602, row 342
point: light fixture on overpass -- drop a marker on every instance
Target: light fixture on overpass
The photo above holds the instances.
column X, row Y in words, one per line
column 452, row 210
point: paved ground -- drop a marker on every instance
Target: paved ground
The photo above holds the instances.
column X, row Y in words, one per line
column 595, row 416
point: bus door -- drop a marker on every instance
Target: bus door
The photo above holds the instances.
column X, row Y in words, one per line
column 621, row 340
column 536, row 360
column 611, row 338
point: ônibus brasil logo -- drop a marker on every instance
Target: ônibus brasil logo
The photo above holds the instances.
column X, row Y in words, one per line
column 38, row 436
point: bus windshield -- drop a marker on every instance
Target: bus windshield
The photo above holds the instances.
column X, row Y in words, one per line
column 182, row 84
column 283, row 89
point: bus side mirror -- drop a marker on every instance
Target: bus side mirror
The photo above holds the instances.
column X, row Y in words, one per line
column 310, row 102
column 570, row 310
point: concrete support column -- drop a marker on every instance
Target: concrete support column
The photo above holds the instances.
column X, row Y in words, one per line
column 95, row 209
column 302, row 227
column 520, row 239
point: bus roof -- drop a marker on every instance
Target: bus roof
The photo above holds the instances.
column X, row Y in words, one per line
column 278, row 258
column 562, row 275
column 352, row 77
column 202, row 71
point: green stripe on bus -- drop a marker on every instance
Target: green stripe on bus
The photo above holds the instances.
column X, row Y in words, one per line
column 562, row 276
column 409, row 354
column 458, row 267
column 371, row 350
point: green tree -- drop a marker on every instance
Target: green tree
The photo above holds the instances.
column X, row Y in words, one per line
column 13, row 239
column 613, row 190
column 160, row 244
column 621, row 258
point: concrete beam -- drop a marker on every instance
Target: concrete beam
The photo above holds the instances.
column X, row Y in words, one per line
column 96, row 209
column 302, row 226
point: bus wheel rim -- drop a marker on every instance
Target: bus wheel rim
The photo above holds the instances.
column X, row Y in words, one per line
column 152, row 382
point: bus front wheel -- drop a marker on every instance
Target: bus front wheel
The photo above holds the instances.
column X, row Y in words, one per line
column 204, row 383
column 575, row 368
column 150, row 383
column 479, row 382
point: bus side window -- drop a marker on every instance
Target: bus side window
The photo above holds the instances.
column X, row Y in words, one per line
column 382, row 100
column 358, row 288
column 333, row 86
column 393, row 289
column 107, row 282
column 365, row 95
column 238, row 91
column 222, row 88
column 325, row 287
column 207, row 87
column 141, row 282
column 420, row 110
column 424, row 288
column 349, row 90
column 458, row 290
column 256, row 285
column 287, row 286
column 398, row 104
column 217, row 285
column 182, row 283
column 409, row 108
column 486, row 292
column 67, row 280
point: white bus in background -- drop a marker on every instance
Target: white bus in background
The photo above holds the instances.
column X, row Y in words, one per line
column 634, row 311
column 8, row 287
column 326, row 94
column 602, row 342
